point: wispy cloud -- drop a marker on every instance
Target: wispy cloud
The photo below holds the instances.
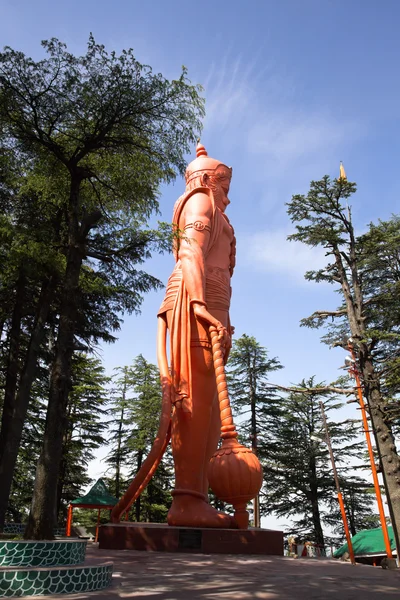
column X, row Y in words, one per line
column 252, row 105
column 229, row 93
column 270, row 251
column 277, row 141
column 287, row 135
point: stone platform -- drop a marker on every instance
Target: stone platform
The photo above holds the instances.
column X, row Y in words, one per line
column 154, row 537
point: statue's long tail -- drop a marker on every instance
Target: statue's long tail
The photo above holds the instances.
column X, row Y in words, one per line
column 163, row 436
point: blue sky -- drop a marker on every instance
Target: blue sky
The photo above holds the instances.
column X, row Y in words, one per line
column 292, row 87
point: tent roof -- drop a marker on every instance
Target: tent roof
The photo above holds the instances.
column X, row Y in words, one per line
column 98, row 495
column 369, row 541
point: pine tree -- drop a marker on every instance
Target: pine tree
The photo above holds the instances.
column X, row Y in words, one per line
column 84, row 434
column 358, row 498
column 86, row 427
column 119, row 455
column 298, row 481
column 253, row 401
column 137, row 405
column 323, row 218
column 143, row 417
column 28, row 272
column 109, row 132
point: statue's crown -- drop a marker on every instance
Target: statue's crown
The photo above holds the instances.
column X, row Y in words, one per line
column 203, row 162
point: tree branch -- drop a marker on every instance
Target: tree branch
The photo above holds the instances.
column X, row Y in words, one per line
column 323, row 314
column 314, row 390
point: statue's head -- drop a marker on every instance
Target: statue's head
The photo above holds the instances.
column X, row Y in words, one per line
column 205, row 171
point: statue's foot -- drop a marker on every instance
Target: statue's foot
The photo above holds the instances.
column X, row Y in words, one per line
column 192, row 511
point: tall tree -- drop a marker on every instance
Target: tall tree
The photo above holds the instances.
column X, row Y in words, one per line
column 137, row 405
column 298, row 482
column 86, row 428
column 23, row 480
column 28, row 276
column 112, row 131
column 379, row 256
column 252, row 399
column 358, row 498
column 119, row 455
column 84, row 434
column 323, row 218
column 144, row 416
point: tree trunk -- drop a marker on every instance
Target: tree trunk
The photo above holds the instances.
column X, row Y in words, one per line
column 319, row 535
column 150, row 500
column 8, row 416
column 11, row 432
column 349, row 500
column 384, row 440
column 67, row 438
column 138, row 504
column 119, row 442
column 253, row 398
column 42, row 517
column 316, row 516
column 118, row 461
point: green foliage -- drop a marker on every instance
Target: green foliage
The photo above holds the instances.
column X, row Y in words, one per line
column 358, row 498
column 126, row 126
column 86, row 426
column 365, row 272
column 379, row 258
column 324, row 214
column 83, row 436
column 24, row 472
column 253, row 399
column 298, row 479
column 85, row 143
column 87, row 518
column 136, row 404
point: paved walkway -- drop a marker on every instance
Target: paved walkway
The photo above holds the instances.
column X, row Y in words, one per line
column 164, row 576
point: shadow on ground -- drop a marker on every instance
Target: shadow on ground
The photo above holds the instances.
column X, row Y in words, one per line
column 163, row 576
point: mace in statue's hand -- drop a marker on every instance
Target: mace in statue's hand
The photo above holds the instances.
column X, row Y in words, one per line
column 201, row 312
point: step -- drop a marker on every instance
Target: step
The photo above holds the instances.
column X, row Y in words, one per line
column 37, row 581
column 32, row 553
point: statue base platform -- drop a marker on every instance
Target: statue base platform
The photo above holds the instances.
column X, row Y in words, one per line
column 155, row 537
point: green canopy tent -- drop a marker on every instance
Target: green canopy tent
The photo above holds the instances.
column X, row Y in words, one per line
column 97, row 497
column 369, row 544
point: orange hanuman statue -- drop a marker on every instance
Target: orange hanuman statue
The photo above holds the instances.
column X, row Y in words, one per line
column 197, row 298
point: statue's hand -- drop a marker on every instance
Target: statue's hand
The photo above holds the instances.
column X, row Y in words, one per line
column 202, row 313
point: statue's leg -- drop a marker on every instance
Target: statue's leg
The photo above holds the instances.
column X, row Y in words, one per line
column 194, row 440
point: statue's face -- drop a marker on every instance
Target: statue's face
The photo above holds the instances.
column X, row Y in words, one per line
column 225, row 184
column 221, row 192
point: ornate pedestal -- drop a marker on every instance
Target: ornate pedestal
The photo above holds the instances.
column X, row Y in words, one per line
column 152, row 537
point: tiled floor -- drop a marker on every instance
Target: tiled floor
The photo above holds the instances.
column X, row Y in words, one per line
column 163, row 576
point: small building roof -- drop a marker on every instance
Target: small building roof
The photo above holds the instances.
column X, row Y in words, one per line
column 97, row 496
column 368, row 542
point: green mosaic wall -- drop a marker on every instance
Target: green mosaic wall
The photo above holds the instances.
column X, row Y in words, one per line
column 19, row 528
column 42, row 554
column 67, row 580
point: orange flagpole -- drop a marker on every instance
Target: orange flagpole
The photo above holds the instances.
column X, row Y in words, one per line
column 339, row 493
column 69, row 521
column 97, row 526
column 353, row 370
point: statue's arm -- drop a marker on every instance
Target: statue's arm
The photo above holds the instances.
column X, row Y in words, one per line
column 195, row 225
